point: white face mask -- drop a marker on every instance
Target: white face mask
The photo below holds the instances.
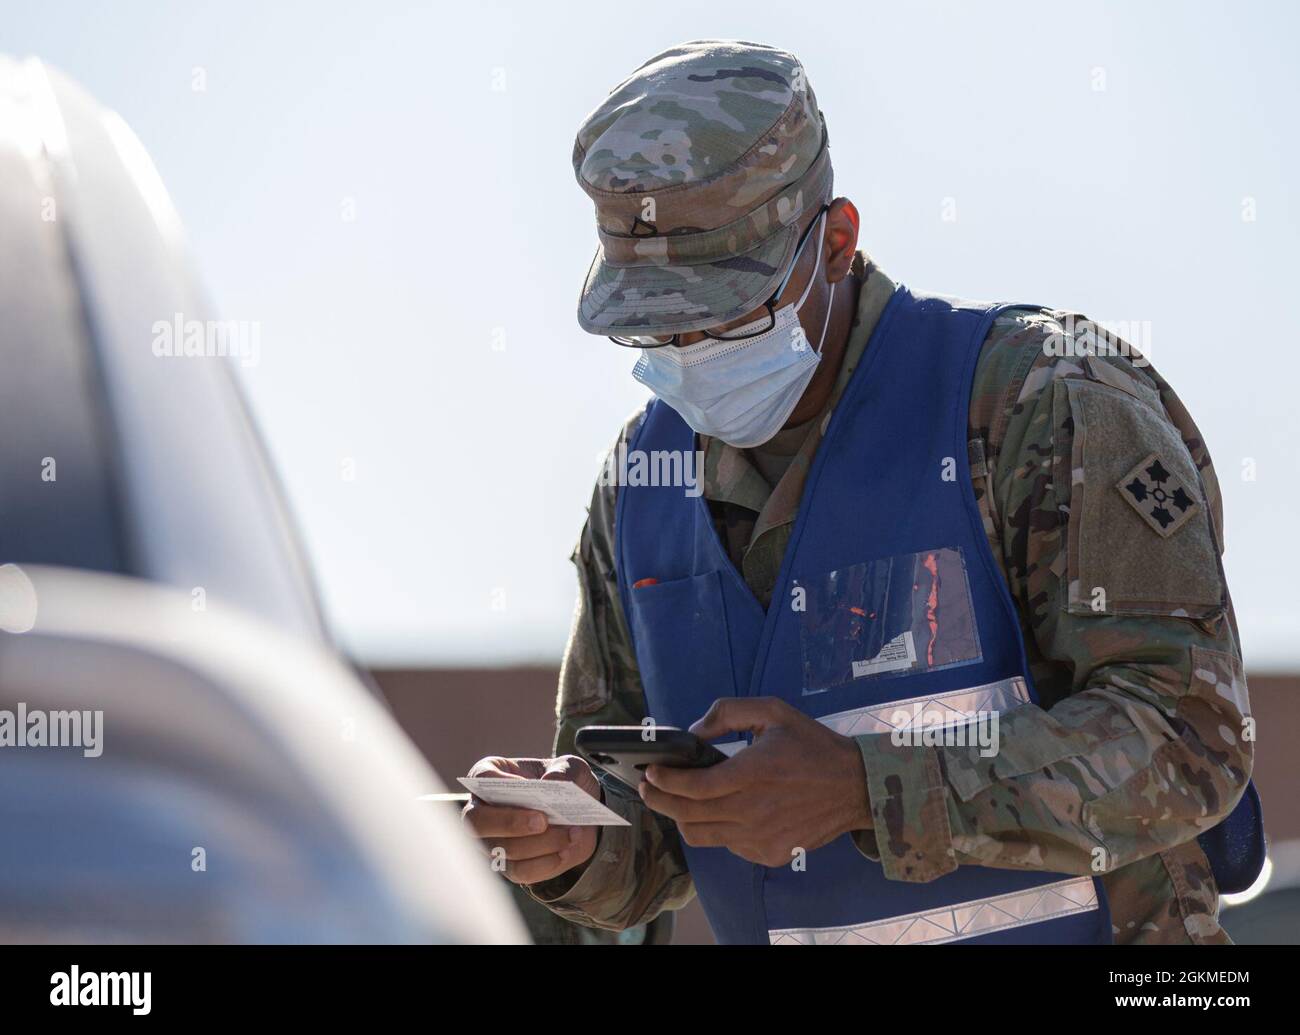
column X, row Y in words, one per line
column 742, row 391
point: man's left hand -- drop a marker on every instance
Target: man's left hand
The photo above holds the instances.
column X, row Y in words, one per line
column 799, row 785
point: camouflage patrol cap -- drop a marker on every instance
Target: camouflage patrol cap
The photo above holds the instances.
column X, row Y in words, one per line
column 701, row 165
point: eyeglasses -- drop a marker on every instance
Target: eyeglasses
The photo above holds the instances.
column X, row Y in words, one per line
column 753, row 329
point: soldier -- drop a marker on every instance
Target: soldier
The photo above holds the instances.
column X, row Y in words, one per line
column 1026, row 494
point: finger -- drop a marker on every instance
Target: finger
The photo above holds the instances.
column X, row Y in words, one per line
column 486, row 820
column 557, row 839
column 575, row 770
column 493, row 765
column 530, row 871
column 687, row 810
column 737, row 715
column 710, row 835
column 518, row 768
column 717, row 781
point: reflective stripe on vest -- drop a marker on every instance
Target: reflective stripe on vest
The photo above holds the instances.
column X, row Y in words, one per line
column 957, row 922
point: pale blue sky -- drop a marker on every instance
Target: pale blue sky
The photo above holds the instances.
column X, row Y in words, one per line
column 474, row 465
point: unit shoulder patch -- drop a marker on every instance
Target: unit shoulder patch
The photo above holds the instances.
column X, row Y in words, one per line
column 1161, row 499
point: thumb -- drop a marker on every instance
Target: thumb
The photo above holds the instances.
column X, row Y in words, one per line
column 575, row 770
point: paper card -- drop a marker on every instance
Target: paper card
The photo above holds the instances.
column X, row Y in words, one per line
column 561, row 801
column 898, row 653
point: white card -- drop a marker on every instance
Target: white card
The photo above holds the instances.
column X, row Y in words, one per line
column 562, row 802
column 898, row 653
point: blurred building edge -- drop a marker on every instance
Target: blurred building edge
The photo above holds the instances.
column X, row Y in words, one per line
column 242, row 787
column 244, row 784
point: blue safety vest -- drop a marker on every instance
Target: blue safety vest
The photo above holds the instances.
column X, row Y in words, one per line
column 889, row 616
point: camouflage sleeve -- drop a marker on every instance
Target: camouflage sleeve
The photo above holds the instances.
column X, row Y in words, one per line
column 1103, row 509
column 639, row 870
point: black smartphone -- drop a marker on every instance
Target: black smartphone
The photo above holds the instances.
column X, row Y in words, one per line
column 624, row 751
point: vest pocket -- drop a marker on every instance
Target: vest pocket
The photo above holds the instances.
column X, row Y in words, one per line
column 683, row 647
column 895, row 616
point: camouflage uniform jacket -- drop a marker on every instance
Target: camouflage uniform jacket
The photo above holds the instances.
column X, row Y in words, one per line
column 1137, row 744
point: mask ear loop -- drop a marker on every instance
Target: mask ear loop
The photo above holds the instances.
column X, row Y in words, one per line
column 799, row 305
column 829, row 302
column 816, row 266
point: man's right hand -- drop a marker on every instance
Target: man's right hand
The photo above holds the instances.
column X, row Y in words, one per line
column 533, row 850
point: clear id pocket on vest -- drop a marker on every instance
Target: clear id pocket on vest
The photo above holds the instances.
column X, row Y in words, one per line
column 895, row 616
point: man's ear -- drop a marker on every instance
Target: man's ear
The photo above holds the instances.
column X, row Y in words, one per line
column 842, row 223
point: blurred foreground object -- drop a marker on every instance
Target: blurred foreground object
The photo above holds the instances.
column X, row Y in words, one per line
column 247, row 788
column 114, row 458
column 245, row 785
